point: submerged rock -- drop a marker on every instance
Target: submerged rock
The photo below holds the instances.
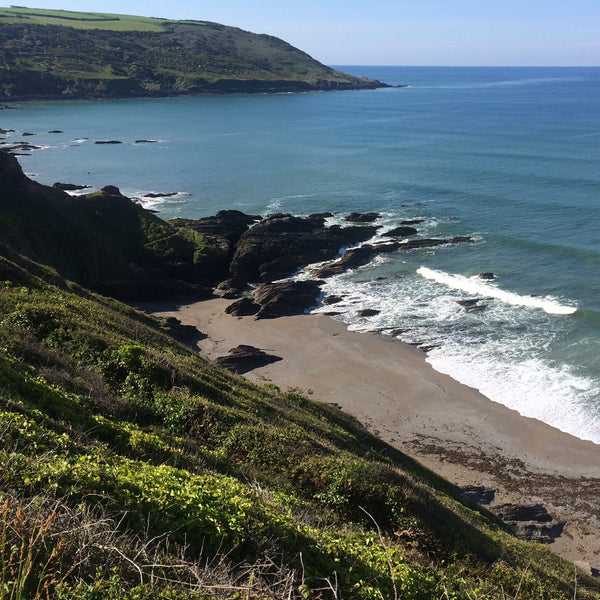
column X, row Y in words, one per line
column 401, row 232
column 362, row 217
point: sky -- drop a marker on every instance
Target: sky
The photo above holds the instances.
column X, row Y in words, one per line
column 397, row 32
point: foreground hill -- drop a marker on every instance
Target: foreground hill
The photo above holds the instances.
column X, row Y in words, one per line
column 132, row 468
column 61, row 54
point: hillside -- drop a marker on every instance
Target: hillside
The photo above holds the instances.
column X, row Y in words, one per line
column 62, row 54
column 133, row 468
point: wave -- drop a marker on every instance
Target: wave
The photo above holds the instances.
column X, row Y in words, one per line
column 479, row 287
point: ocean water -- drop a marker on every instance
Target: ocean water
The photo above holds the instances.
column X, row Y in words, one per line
column 509, row 156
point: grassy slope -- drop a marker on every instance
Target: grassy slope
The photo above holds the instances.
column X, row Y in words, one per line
column 69, row 54
column 132, row 468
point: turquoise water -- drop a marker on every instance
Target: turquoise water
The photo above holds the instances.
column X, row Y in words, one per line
column 508, row 156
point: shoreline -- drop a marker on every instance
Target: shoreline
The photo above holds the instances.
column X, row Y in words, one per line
column 448, row 427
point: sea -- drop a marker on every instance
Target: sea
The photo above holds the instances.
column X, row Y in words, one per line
column 507, row 156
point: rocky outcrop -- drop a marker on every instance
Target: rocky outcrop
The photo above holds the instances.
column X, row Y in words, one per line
column 70, row 187
column 244, row 307
column 286, row 298
column 362, row 217
column 403, row 231
column 243, row 358
column 281, row 244
column 532, row 523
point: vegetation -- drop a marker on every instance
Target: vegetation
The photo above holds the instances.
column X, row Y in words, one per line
column 134, row 469
column 61, row 54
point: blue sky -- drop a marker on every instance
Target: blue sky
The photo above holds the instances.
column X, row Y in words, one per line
column 398, row 32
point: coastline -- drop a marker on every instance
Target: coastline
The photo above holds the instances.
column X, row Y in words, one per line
column 450, row 428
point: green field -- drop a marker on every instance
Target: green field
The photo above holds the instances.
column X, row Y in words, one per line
column 79, row 20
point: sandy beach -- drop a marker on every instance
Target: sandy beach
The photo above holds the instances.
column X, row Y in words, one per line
column 448, row 427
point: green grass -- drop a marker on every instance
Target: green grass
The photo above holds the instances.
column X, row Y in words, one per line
column 80, row 20
column 133, row 468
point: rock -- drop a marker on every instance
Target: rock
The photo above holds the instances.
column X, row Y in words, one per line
column 368, row 312
column 188, row 334
column 100, row 142
column 353, row 258
column 516, row 512
column 22, row 147
column 146, row 141
column 245, row 358
column 479, row 493
column 244, row 307
column 472, row 304
column 280, row 244
column 5, row 131
column 112, row 190
column 362, row 217
column 56, row 131
column 531, row 523
column 328, row 300
column 412, row 222
column 400, row 232
column 160, row 194
column 432, row 242
column 228, row 293
column 222, row 233
column 27, row 134
column 286, row 298
column 69, row 187
column 487, row 276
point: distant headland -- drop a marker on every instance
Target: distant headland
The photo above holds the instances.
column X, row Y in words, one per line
column 57, row 54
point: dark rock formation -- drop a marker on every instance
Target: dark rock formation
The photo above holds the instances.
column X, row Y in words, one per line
column 368, row 312
column 479, row 493
column 472, row 304
column 352, row 259
column 160, row 194
column 432, row 242
column 411, row 222
column 281, row 244
column 245, row 358
column 146, row 141
column 327, row 301
column 403, row 231
column 104, row 142
column 487, row 276
column 222, row 233
column 112, row 190
column 70, row 187
column 188, row 334
column 531, row 523
column 362, row 217
column 244, row 307
column 286, row 298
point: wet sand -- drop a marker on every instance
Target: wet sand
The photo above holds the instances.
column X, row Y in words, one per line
column 445, row 425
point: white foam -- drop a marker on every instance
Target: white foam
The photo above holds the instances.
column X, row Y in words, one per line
column 480, row 287
column 534, row 388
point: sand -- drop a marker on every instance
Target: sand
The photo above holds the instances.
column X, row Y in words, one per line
column 447, row 426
